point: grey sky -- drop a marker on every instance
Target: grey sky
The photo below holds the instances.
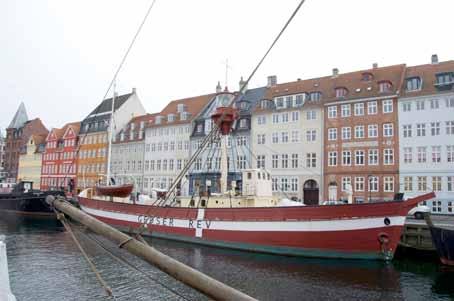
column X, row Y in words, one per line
column 59, row 56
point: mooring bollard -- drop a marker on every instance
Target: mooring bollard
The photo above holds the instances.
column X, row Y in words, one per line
column 5, row 289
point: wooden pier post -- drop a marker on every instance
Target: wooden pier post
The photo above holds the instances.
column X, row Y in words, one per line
column 193, row 278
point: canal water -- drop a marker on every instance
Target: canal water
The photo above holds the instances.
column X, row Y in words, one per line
column 45, row 264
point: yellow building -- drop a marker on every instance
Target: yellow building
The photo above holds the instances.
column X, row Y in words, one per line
column 92, row 159
column 30, row 160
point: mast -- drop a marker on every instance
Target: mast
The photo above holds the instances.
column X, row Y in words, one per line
column 224, row 164
column 110, row 131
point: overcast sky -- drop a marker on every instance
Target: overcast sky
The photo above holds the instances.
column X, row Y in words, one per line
column 58, row 57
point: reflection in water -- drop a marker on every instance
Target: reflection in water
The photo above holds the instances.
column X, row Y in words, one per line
column 43, row 260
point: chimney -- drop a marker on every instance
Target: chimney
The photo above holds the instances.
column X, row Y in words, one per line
column 272, row 81
column 218, row 88
column 133, row 90
column 434, row 59
column 335, row 72
column 242, row 83
column 374, row 65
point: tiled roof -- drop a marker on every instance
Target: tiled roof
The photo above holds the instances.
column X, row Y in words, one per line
column 427, row 73
column 148, row 119
column 60, row 132
column 193, row 106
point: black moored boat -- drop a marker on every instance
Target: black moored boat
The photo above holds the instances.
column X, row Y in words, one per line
column 443, row 240
column 25, row 202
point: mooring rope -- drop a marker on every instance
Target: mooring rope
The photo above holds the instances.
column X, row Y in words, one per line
column 122, row 260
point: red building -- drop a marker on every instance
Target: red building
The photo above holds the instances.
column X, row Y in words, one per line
column 59, row 159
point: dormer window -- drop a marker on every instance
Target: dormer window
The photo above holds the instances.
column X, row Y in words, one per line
column 384, row 87
column 367, row 77
column 184, row 115
column 341, row 92
column 122, row 136
column 279, row 102
column 413, row 84
column 133, row 126
column 243, row 105
column 264, row 104
column 444, row 79
column 243, row 123
column 158, row 119
column 288, row 101
column 181, row 108
column 171, row 118
column 142, row 124
column 315, row 96
column 299, row 99
column 200, row 128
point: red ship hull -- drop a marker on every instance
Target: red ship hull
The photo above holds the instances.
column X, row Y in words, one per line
column 356, row 231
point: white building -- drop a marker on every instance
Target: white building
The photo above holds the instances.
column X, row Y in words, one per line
column 287, row 129
column 426, row 133
column 128, row 152
column 167, row 143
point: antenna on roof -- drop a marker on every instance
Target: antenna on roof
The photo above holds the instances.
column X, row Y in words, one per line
column 227, row 67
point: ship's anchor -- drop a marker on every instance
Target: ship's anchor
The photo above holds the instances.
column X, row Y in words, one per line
column 383, row 238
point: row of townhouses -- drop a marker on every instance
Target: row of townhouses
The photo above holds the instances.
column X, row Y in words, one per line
column 364, row 136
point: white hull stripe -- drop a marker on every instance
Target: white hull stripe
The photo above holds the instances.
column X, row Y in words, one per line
column 291, row 226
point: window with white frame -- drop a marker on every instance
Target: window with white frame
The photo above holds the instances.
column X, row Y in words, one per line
column 434, row 104
column 408, row 183
column 274, row 186
column 279, row 101
column 275, row 137
column 332, row 158
column 436, row 183
column 311, row 135
column 346, row 158
column 346, row 133
column 408, row 155
column 261, row 161
column 373, row 157
column 420, row 129
column 359, row 157
column 450, row 182
column 422, row 154
column 387, row 106
column 372, row 130
column 294, row 160
column 450, row 102
column 406, row 130
column 261, row 119
column 294, row 184
column 373, row 183
column 284, row 184
column 359, row 131
column 345, row 110
column 450, row 127
column 311, row 160
column 422, row 183
column 436, row 154
column 284, row 117
column 295, row 116
column 261, row 139
column 420, row 105
column 295, row 136
column 359, row 183
column 275, row 118
column 346, row 182
column 332, row 134
column 388, row 156
column 372, row 108
column 359, row 109
column 388, row 184
column 311, row 115
column 241, row 140
column 275, row 161
column 284, row 161
column 332, row 112
column 289, row 101
column 435, row 128
column 284, row 137
column 450, row 153
column 388, row 130
column 241, row 162
column 406, row 106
